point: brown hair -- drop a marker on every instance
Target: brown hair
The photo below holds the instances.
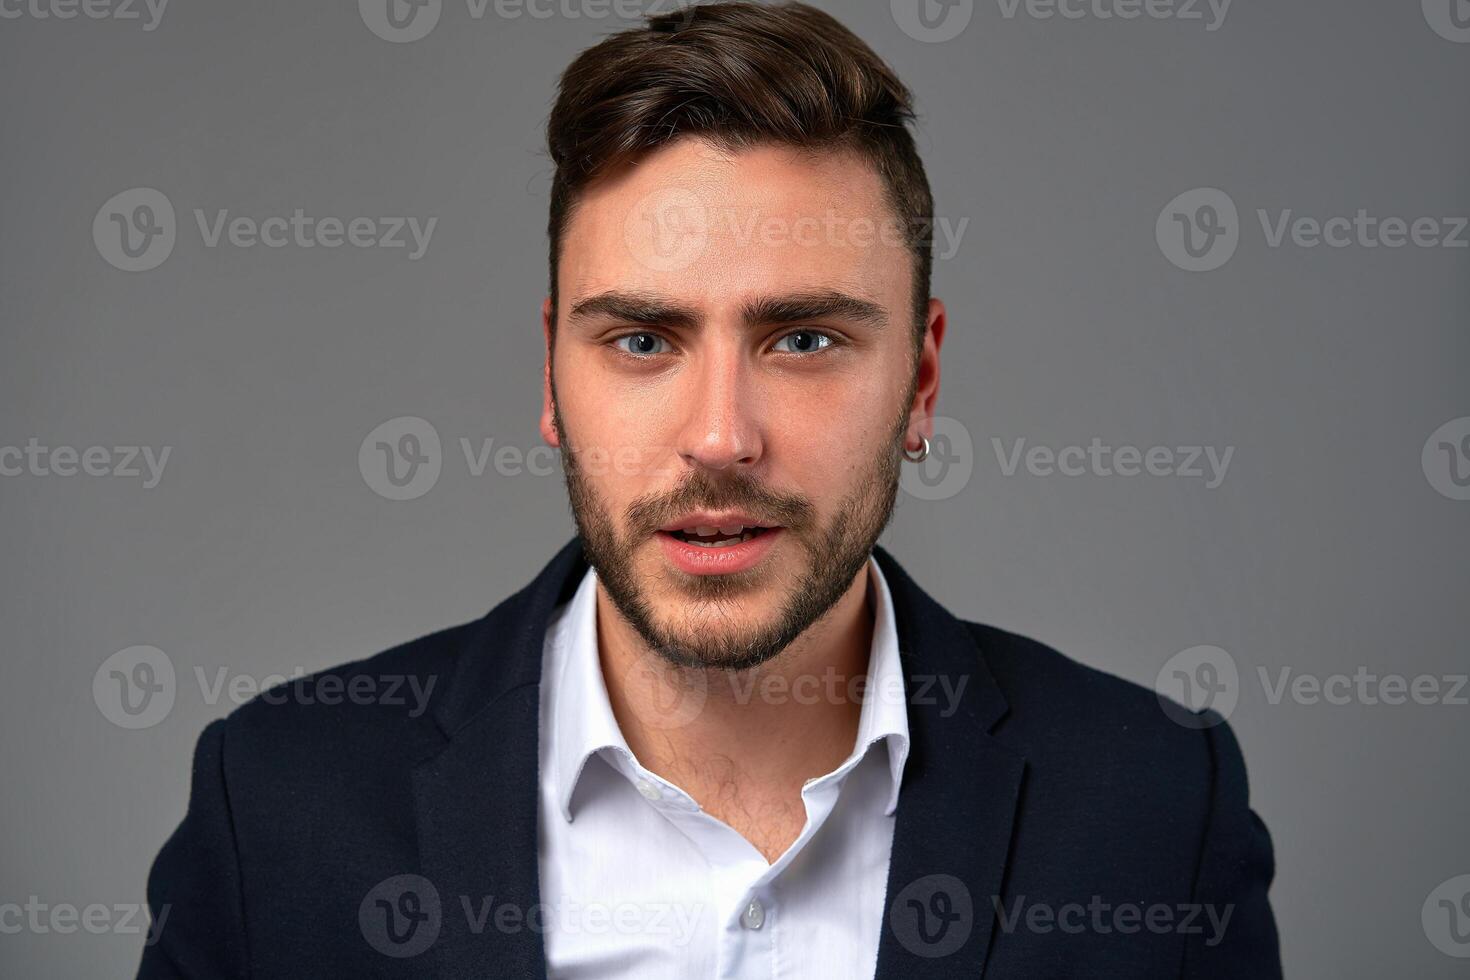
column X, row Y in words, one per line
column 738, row 74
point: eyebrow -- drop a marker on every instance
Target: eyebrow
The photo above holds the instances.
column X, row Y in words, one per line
column 650, row 309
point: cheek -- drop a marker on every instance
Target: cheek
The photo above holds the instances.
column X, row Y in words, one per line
column 827, row 436
column 621, row 432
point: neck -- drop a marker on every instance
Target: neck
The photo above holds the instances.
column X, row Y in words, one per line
column 737, row 740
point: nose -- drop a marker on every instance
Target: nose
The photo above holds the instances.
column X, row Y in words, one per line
column 721, row 428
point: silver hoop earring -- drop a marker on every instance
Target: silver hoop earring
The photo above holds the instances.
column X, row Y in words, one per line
column 921, row 455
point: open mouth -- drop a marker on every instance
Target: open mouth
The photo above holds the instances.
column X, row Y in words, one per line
column 713, row 543
column 704, row 536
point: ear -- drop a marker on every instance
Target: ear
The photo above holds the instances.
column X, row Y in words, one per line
column 926, row 387
column 548, row 420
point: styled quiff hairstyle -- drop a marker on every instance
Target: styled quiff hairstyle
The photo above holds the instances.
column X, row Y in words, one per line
column 738, row 74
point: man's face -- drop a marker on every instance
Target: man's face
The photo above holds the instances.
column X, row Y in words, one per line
column 732, row 381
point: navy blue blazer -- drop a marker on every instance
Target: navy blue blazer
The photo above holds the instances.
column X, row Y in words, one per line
column 1053, row 822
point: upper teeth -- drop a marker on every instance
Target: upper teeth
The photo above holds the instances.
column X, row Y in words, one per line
column 705, row 530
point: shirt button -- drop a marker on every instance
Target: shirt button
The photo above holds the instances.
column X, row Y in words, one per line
column 754, row 915
column 649, row 791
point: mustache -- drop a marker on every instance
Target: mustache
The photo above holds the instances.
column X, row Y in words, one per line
column 702, row 490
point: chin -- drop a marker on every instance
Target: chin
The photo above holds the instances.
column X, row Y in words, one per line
column 727, row 635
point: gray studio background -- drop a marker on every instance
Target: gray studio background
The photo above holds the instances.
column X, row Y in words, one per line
column 1336, row 541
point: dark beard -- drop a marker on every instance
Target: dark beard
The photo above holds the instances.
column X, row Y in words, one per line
column 837, row 553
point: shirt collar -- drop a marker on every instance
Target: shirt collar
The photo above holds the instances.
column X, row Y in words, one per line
column 885, row 713
column 580, row 718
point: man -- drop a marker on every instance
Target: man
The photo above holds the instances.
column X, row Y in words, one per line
column 721, row 733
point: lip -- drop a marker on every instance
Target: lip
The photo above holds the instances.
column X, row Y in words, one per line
column 713, row 518
column 698, row 560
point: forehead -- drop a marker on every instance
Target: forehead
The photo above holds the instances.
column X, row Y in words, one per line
column 713, row 227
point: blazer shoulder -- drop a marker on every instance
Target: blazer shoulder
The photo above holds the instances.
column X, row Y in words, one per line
column 1057, row 704
column 401, row 704
column 356, row 706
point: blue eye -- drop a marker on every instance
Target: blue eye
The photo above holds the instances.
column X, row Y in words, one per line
column 804, row 342
column 641, row 344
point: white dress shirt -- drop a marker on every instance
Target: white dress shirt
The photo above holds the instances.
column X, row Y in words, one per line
column 637, row 881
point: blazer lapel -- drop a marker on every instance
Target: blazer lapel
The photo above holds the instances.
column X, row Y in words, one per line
column 958, row 800
column 476, row 800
